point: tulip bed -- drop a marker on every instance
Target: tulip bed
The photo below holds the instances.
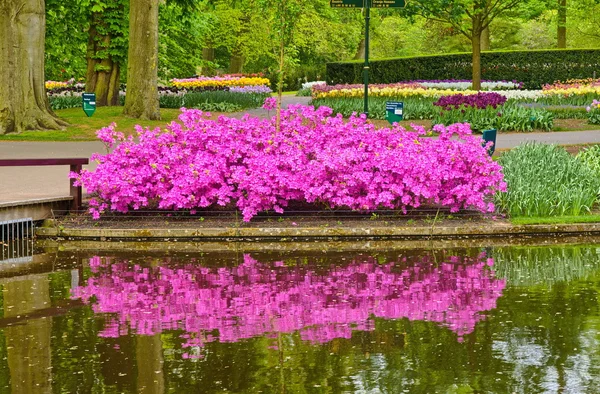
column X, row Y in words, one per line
column 507, row 108
column 314, row 158
column 228, row 93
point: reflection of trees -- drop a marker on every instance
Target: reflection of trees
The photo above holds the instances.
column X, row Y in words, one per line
column 254, row 298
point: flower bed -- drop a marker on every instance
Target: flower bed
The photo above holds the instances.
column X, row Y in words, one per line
column 480, row 100
column 315, row 158
column 224, row 81
column 232, row 98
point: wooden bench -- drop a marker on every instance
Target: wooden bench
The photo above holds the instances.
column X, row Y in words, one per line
column 75, row 165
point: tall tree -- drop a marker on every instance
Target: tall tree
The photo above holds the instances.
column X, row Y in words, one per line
column 23, row 101
column 106, row 50
column 469, row 17
column 562, row 24
column 141, row 100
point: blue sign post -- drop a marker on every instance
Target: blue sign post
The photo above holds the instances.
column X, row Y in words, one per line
column 89, row 103
column 394, row 111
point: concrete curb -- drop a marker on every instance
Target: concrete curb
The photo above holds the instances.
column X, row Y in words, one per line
column 501, row 229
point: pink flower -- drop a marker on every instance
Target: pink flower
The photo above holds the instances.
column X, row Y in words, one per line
column 270, row 103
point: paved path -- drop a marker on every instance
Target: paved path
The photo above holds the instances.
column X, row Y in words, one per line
column 24, row 183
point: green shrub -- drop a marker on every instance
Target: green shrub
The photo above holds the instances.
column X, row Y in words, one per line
column 533, row 68
column 545, row 180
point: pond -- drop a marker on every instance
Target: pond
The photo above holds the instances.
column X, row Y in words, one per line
column 479, row 320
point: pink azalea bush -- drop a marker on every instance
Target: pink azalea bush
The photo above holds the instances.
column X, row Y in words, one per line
column 315, row 158
column 258, row 298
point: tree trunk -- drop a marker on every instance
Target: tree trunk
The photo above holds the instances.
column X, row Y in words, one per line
column 236, row 64
column 141, row 100
column 102, row 75
column 208, row 54
column 562, row 24
column 360, row 53
column 476, row 45
column 23, row 101
column 485, row 39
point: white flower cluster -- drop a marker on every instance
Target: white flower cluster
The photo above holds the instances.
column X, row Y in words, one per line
column 308, row 85
column 521, row 94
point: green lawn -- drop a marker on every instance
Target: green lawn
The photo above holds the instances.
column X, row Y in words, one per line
column 556, row 220
column 83, row 128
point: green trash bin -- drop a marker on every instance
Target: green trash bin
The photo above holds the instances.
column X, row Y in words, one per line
column 490, row 135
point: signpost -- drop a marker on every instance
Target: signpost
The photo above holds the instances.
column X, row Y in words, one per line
column 89, row 103
column 367, row 5
column 394, row 111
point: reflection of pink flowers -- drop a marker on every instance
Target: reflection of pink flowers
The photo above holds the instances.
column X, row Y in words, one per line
column 255, row 299
column 270, row 103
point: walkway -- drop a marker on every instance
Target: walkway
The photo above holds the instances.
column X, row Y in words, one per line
column 26, row 183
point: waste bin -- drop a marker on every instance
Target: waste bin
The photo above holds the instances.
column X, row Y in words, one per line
column 490, row 135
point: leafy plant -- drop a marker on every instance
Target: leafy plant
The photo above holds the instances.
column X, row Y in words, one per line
column 545, row 180
column 594, row 112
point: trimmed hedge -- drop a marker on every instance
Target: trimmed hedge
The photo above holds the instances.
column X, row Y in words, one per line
column 533, row 68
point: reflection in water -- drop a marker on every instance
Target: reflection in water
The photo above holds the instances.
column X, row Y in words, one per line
column 304, row 322
column 256, row 298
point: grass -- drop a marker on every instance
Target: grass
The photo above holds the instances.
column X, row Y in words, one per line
column 524, row 220
column 83, row 128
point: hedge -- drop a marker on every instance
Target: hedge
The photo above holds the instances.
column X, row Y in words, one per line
column 533, row 68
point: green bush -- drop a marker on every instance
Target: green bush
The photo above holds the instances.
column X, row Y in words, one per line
column 545, row 180
column 533, row 68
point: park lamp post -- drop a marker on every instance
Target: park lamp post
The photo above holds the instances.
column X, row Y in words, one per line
column 367, row 5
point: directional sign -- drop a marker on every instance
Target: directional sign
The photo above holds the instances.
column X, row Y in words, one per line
column 388, row 3
column 89, row 103
column 347, row 3
column 394, row 111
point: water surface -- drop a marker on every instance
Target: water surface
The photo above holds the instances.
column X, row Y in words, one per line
column 493, row 320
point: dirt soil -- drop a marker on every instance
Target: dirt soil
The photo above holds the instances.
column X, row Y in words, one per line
column 300, row 218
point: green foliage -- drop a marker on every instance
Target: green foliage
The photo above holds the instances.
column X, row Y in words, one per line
column 533, row 68
column 594, row 115
column 66, row 39
column 507, row 118
column 567, row 112
column 513, row 117
column 545, row 180
column 591, row 158
column 221, row 101
column 180, row 32
column 414, row 108
column 64, row 102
